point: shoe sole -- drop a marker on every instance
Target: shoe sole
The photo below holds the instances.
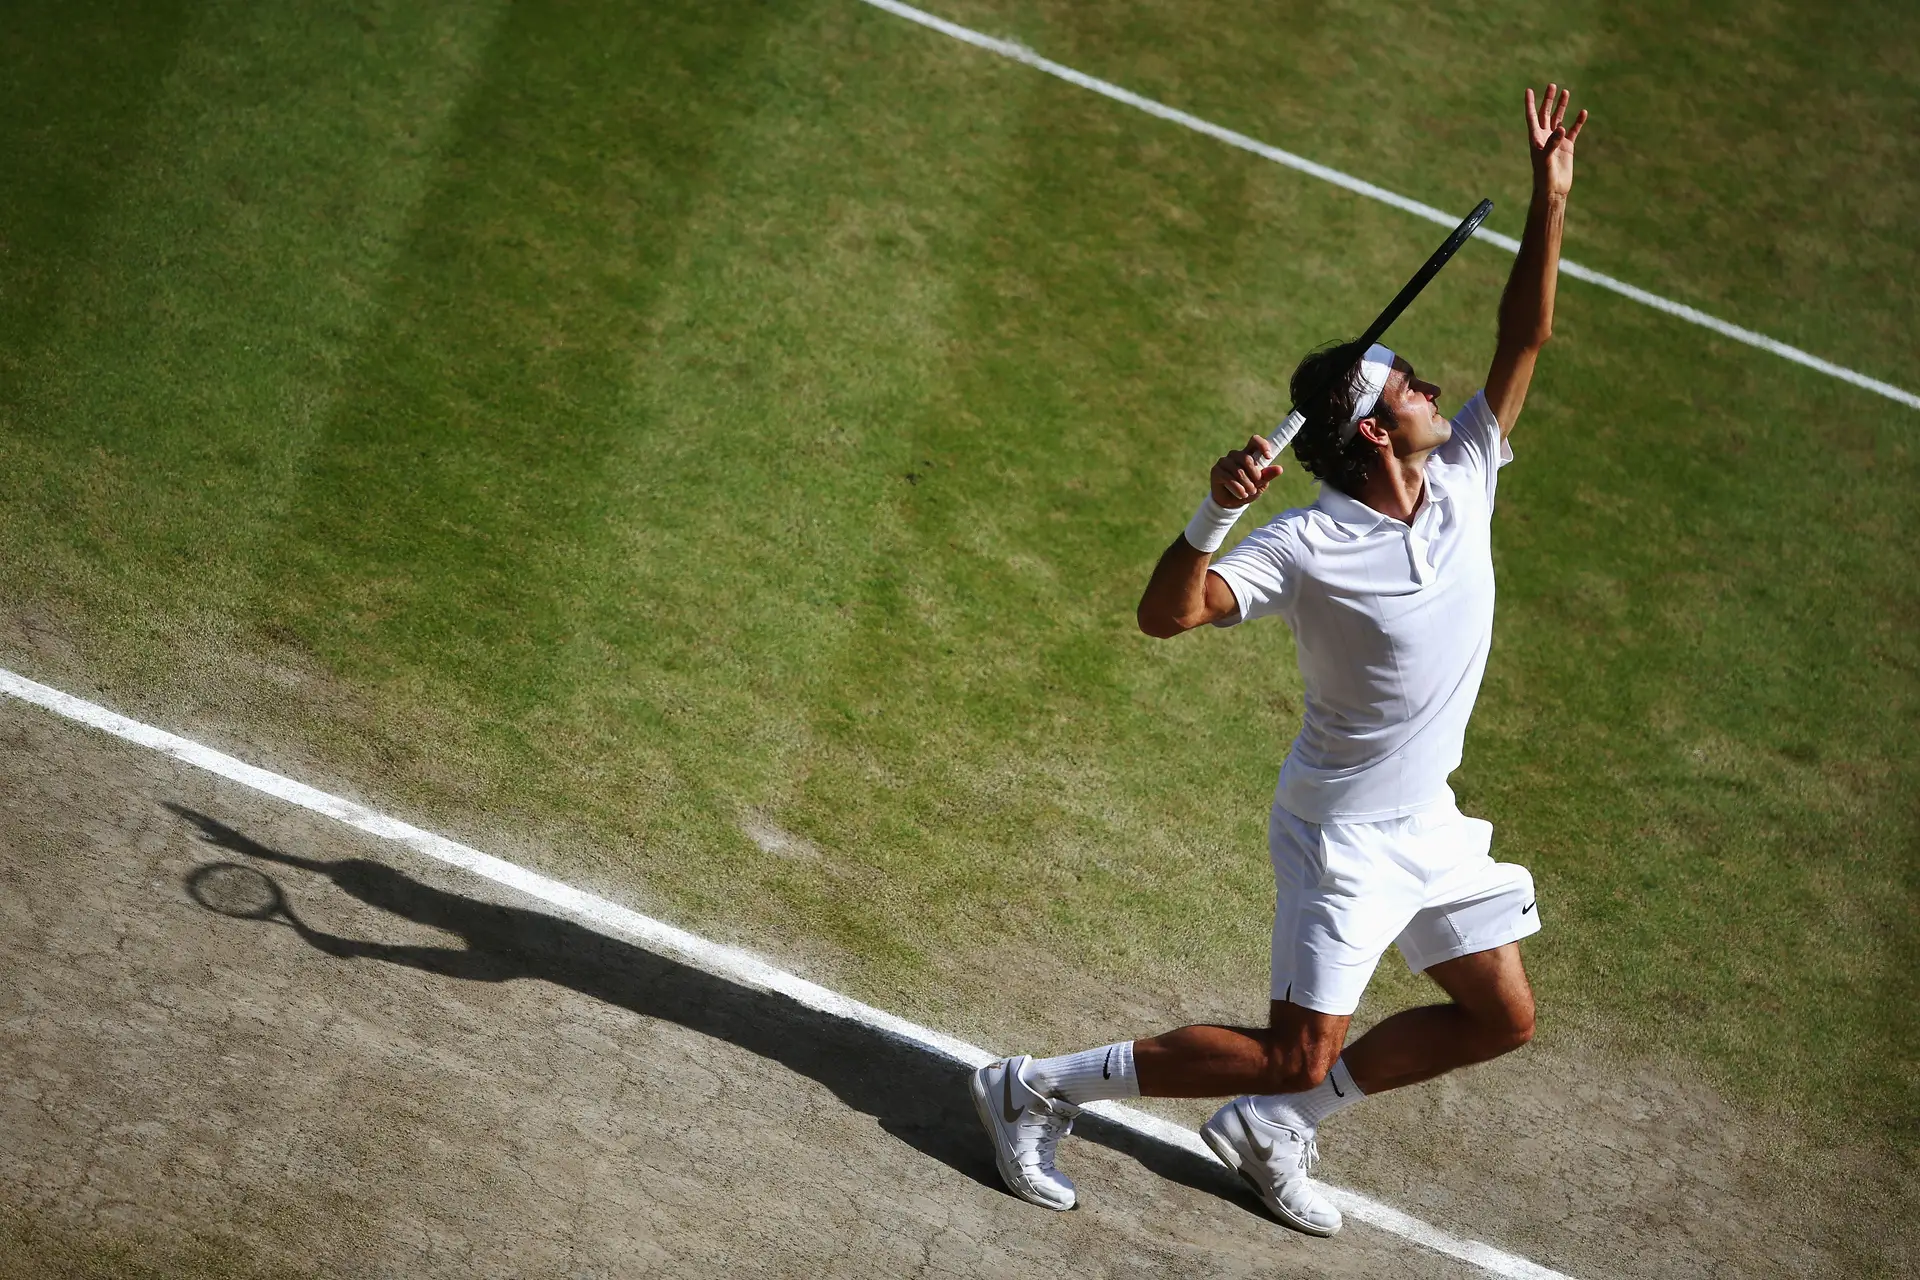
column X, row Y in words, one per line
column 1231, row 1158
column 982, row 1107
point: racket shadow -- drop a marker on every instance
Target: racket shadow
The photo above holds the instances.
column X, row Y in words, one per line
column 919, row 1099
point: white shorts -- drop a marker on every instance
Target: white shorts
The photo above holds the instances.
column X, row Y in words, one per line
column 1347, row 891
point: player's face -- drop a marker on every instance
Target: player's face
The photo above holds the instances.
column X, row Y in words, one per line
column 1413, row 404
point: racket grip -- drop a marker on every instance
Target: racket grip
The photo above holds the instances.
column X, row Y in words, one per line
column 1283, row 434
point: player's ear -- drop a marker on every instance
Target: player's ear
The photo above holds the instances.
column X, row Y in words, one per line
column 1373, row 429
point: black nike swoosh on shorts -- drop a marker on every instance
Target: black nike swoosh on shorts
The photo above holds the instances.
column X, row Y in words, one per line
column 1530, row 906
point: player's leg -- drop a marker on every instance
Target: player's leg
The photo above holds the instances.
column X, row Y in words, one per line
column 1340, row 901
column 1269, row 1140
column 1490, row 1013
column 1293, row 1052
column 1467, row 940
column 1297, row 1058
column 1341, row 898
column 1329, row 933
column 1327, row 937
column 1027, row 1104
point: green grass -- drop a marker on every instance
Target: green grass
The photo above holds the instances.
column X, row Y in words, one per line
column 605, row 428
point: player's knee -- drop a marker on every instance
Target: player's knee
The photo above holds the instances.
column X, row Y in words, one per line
column 1291, row 1077
column 1512, row 1026
column 1295, row 1068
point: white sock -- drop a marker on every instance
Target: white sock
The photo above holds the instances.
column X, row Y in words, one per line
column 1303, row 1112
column 1087, row 1076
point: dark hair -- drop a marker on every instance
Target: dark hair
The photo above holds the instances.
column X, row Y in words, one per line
column 1335, row 370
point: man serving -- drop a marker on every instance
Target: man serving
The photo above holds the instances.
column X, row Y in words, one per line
column 1387, row 583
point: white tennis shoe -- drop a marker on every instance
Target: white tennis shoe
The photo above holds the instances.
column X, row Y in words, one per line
column 1025, row 1128
column 1275, row 1161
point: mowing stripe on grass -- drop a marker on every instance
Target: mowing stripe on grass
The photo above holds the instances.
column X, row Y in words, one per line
column 718, row 959
column 1020, row 53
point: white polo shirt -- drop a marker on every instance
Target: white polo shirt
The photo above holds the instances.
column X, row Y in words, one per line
column 1391, row 622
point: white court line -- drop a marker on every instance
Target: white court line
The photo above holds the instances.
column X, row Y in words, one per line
column 1020, row 53
column 716, row 958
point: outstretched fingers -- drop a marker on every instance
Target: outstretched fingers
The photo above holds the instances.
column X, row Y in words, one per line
column 1544, row 112
column 1547, row 117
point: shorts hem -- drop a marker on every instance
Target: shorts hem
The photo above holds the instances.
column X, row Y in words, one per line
column 1319, row 1004
column 1423, row 963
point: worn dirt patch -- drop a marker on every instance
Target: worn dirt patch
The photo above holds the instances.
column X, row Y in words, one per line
column 407, row 1072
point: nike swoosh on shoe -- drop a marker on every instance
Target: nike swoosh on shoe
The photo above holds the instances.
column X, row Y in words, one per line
column 1007, row 1109
column 1261, row 1148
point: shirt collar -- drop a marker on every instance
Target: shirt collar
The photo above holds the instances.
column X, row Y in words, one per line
column 1348, row 512
column 1357, row 517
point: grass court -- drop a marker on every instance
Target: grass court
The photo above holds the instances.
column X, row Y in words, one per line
column 638, row 429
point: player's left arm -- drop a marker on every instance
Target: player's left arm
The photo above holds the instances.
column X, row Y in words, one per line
column 1526, row 308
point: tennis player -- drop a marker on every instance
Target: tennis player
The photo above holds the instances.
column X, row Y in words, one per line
column 1387, row 583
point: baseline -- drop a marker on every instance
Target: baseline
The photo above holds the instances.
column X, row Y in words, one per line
column 1020, row 53
column 719, row 959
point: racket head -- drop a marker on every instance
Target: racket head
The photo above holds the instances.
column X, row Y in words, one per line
column 238, row 891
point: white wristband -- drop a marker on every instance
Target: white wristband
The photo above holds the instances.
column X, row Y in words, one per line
column 1211, row 524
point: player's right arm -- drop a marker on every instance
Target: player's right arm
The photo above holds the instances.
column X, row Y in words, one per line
column 1182, row 595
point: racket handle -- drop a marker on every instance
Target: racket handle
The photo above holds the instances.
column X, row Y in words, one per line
column 1283, row 434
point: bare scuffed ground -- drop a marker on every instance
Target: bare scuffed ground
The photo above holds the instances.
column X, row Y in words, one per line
column 436, row 1082
column 429, row 1078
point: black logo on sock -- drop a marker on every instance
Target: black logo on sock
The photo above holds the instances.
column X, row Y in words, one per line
column 1106, row 1068
column 1336, row 1085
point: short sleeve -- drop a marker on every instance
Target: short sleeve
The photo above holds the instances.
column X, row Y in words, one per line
column 1477, row 444
column 1259, row 571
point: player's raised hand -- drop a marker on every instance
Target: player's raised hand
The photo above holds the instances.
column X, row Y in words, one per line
column 1553, row 138
column 1243, row 475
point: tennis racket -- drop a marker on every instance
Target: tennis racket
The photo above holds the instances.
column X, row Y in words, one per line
column 1428, row 270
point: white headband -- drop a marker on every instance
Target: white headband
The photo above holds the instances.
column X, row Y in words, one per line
column 1374, row 368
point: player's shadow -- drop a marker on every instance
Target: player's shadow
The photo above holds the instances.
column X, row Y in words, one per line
column 916, row 1096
